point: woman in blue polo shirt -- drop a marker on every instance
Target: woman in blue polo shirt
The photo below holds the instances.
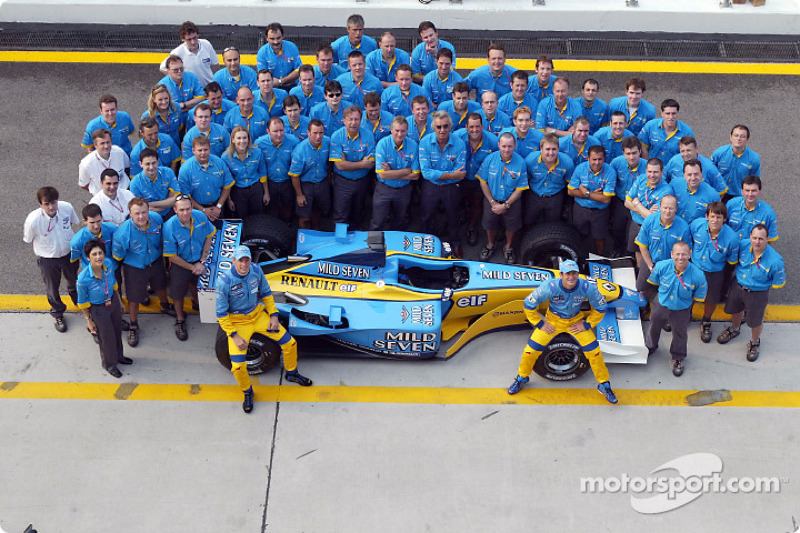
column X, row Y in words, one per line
column 248, row 167
column 99, row 300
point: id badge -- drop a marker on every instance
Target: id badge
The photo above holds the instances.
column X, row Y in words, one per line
column 108, row 302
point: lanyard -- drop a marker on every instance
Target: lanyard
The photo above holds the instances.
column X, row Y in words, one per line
column 713, row 240
column 102, row 162
column 111, row 203
column 679, row 275
column 55, row 225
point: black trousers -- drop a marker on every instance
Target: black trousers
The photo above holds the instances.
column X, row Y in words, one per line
column 52, row 269
column 108, row 321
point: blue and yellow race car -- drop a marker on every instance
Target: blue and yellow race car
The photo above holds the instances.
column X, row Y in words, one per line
column 400, row 295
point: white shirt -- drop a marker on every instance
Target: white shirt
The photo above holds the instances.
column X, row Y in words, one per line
column 114, row 211
column 92, row 165
column 50, row 236
column 198, row 64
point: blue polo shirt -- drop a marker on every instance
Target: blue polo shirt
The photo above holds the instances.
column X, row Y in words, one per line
column 433, row 161
column 734, row 168
column 282, row 64
column 423, row 62
column 597, row 113
column 320, row 78
column 347, row 148
column 248, row 171
column 414, row 132
column 156, row 189
column 355, row 92
column 310, row 164
column 381, row 69
column 476, row 156
column 613, row 146
column 659, row 239
column 172, row 126
column 273, row 107
column 636, row 121
column 394, row 101
column 578, row 156
column 441, row 90
column 138, row 248
column 187, row 243
column 460, row 120
column 189, row 88
column 482, row 79
column 742, row 220
column 529, row 143
column 759, row 273
column 678, row 291
column 692, row 205
column 217, row 136
column 205, row 183
column 674, row 169
column 627, row 176
column 217, row 115
column 300, row 131
column 398, row 157
column 230, row 85
column 307, row 101
column 382, row 128
column 168, row 153
column 92, row 290
column 504, row 177
column 648, row 196
column 661, row 144
column 548, row 114
column 540, row 92
column 710, row 255
column 605, row 179
column 507, row 104
column 255, row 122
column 83, row 235
column 278, row 158
column 496, row 124
column 547, row 181
column 332, row 121
column 120, row 131
column 342, row 48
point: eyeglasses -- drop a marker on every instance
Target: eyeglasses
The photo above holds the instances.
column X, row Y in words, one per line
column 228, row 49
column 334, row 95
column 442, row 126
column 176, row 70
column 183, row 197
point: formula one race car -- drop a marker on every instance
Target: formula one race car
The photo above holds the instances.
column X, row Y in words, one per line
column 398, row 294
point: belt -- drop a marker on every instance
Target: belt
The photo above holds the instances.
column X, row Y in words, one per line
column 745, row 289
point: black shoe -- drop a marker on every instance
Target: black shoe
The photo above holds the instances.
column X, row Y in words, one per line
column 472, row 237
column 146, row 301
column 125, row 325
column 667, row 327
column 677, row 368
column 487, row 253
column 752, row 350
column 247, row 404
column 296, row 377
column 133, row 335
column 60, row 325
column 125, row 360
column 114, row 371
column 727, row 334
column 180, row 330
column 705, row 332
column 651, row 351
column 168, row 309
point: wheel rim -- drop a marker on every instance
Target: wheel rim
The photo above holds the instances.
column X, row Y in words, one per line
column 264, row 250
column 563, row 361
column 550, row 257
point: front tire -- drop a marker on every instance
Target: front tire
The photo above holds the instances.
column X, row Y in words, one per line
column 547, row 245
column 267, row 237
column 562, row 360
column 262, row 354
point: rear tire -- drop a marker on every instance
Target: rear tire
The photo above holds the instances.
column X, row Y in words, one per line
column 562, row 360
column 547, row 245
column 262, row 354
column 267, row 237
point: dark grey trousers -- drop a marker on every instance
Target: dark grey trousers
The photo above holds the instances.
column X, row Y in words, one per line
column 52, row 268
column 680, row 324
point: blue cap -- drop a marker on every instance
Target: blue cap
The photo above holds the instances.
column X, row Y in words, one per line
column 569, row 266
column 242, row 251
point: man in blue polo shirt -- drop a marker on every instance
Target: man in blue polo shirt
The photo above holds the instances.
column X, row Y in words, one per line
column 576, row 145
column 187, row 240
column 137, row 246
column 234, row 75
column 308, row 93
column 735, row 161
column 326, row 70
column 277, row 149
column 496, row 76
column 557, row 114
column 353, row 157
column 503, row 176
column 688, row 151
column 680, row 284
column 218, row 137
column 519, row 96
column 760, row 268
column 419, row 121
column 294, row 123
column 593, row 108
column 358, row 82
column 156, row 184
column 330, row 112
column 480, row 143
column 611, row 136
column 119, row 123
column 528, row 139
column 425, row 55
column 396, row 165
column 645, row 193
column 593, row 184
column 267, row 97
column 93, row 228
column 206, row 179
column 217, row 102
column 439, row 83
column 184, row 87
column 253, row 118
column 376, row 120
column 169, row 155
column 748, row 210
column 692, row 192
column 396, row 99
column 443, row 162
column 309, row 173
column 540, row 83
column 280, row 57
column 660, row 137
column 548, row 174
column 638, row 111
column 460, row 106
column 494, row 121
column 714, row 247
column 354, row 41
column 383, row 62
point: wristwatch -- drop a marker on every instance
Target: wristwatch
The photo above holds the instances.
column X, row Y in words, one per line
column 280, row 82
column 587, row 194
column 508, row 205
column 219, row 206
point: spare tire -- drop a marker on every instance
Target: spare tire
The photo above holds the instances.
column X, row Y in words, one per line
column 547, row 245
column 267, row 237
column 262, row 354
column 562, row 360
